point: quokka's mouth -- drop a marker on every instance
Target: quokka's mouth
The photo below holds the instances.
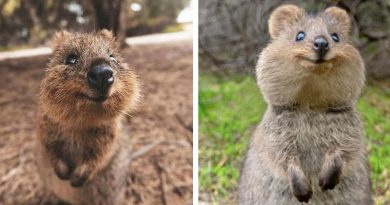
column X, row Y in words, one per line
column 315, row 61
column 318, row 61
column 97, row 99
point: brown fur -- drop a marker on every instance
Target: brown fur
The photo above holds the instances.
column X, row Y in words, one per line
column 80, row 143
column 309, row 146
column 283, row 17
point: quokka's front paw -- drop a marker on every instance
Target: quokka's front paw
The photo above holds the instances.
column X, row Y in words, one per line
column 62, row 169
column 80, row 175
column 331, row 172
column 77, row 176
column 302, row 190
column 329, row 179
column 299, row 184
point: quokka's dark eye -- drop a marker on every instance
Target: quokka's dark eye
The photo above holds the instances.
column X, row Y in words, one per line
column 71, row 59
column 335, row 37
column 300, row 36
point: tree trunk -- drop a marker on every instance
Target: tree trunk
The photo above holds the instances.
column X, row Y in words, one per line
column 110, row 15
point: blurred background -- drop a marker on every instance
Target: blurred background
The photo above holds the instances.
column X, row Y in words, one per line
column 33, row 22
column 231, row 35
column 156, row 39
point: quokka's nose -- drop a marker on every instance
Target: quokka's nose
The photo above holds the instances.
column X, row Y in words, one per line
column 321, row 46
column 100, row 77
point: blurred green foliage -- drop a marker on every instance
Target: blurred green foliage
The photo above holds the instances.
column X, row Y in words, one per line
column 230, row 108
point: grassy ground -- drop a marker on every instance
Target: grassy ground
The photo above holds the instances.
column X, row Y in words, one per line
column 229, row 109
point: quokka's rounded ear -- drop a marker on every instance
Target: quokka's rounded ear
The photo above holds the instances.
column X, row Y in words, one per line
column 283, row 17
column 60, row 37
column 341, row 16
column 106, row 34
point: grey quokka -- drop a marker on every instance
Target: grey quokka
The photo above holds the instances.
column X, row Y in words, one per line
column 309, row 146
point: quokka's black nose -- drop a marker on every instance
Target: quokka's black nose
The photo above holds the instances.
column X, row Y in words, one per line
column 100, row 77
column 321, row 46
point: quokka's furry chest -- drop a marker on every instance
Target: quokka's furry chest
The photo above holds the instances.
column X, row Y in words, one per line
column 308, row 134
column 101, row 151
column 78, row 145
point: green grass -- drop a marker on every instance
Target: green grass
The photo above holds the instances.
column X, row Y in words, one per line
column 374, row 107
column 229, row 109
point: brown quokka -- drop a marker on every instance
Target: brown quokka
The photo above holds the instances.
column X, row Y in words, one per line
column 82, row 156
column 309, row 146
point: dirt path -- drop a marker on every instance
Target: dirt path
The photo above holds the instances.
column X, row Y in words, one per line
column 162, row 175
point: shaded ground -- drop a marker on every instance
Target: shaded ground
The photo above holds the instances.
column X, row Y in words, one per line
column 162, row 175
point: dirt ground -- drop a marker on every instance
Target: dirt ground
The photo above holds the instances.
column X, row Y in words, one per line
column 161, row 129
